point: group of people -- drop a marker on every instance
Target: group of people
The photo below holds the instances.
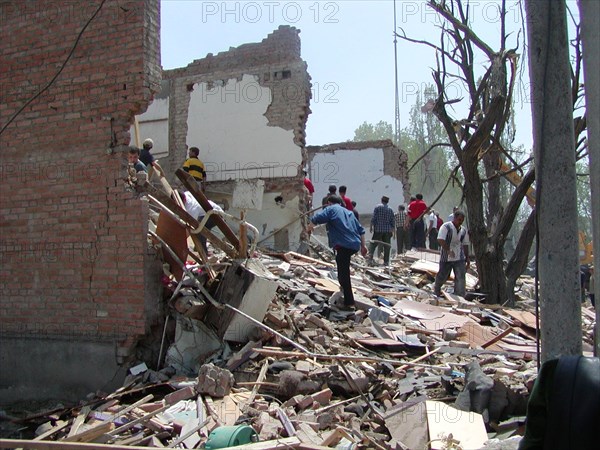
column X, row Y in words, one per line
column 417, row 225
column 347, row 237
column 143, row 160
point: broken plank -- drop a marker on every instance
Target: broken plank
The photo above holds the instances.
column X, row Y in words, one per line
column 104, row 427
column 395, row 362
column 285, row 420
column 420, row 358
column 261, row 377
column 139, row 420
column 79, row 420
column 318, row 262
column 59, row 426
column 275, row 444
column 91, row 433
column 188, row 434
column 497, row 338
column 189, row 182
column 62, row 445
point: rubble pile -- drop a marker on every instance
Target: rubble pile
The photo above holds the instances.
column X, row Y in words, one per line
column 262, row 357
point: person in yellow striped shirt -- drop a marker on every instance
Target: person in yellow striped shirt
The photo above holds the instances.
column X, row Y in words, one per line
column 194, row 166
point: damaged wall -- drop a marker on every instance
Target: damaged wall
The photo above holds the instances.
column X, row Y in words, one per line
column 73, row 247
column 375, row 168
column 246, row 109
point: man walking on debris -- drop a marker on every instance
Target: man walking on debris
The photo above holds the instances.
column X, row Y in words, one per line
column 401, row 231
column 383, row 228
column 416, row 210
column 346, row 237
column 432, row 230
column 332, row 191
column 454, row 243
column 347, row 200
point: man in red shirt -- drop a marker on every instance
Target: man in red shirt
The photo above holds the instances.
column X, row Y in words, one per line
column 416, row 210
column 347, row 201
column 309, row 187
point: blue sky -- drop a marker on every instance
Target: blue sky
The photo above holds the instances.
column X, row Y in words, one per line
column 349, row 49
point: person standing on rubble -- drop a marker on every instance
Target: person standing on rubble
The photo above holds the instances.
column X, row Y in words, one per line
column 332, row 191
column 346, row 237
column 453, row 239
column 432, row 229
column 148, row 159
column 401, row 231
column 347, row 200
column 309, row 187
column 195, row 167
column 416, row 210
column 383, row 227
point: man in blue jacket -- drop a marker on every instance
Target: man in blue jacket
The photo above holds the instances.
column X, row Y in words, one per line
column 346, row 237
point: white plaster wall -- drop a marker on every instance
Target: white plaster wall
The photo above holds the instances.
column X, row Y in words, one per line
column 273, row 217
column 362, row 173
column 228, row 124
column 154, row 124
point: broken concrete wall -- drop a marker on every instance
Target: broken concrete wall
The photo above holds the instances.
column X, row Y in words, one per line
column 73, row 242
column 368, row 169
column 246, row 110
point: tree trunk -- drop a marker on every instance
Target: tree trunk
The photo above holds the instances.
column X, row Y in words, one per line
column 520, row 257
column 556, row 205
column 489, row 256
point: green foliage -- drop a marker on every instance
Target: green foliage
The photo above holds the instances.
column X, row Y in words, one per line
column 430, row 174
column 584, row 196
column 369, row 132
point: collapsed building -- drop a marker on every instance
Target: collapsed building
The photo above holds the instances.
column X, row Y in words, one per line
column 369, row 169
column 79, row 281
column 246, row 109
column 88, row 305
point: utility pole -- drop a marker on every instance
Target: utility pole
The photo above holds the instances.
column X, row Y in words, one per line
column 589, row 11
column 556, row 203
column 397, row 110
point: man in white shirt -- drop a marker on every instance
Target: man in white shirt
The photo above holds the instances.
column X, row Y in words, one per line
column 195, row 210
column 453, row 239
column 432, row 231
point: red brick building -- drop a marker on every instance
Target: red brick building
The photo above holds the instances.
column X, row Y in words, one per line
column 73, row 240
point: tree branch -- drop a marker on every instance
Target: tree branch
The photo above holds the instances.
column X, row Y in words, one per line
column 443, row 11
column 427, row 43
column 440, row 144
column 510, row 212
column 450, row 177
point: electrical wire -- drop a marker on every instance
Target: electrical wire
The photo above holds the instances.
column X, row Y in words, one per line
column 51, row 82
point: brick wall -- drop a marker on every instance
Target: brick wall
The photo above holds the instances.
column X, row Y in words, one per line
column 72, row 240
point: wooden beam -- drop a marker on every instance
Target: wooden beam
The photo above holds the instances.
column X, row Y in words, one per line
column 290, row 354
column 61, row 445
column 497, row 338
column 189, row 182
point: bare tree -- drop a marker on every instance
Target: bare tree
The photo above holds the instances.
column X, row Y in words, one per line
column 476, row 138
